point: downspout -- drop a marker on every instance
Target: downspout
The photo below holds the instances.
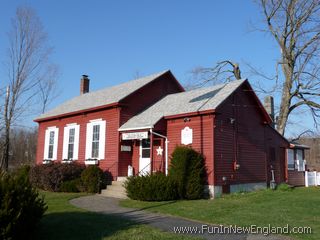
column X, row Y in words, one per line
column 166, row 142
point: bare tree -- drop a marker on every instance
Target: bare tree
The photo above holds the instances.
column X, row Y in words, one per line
column 295, row 26
column 48, row 87
column 223, row 71
column 27, row 63
column 23, row 146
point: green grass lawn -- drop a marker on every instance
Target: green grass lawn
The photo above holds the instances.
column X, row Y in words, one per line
column 64, row 221
column 300, row 207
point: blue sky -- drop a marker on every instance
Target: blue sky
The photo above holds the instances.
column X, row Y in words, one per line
column 113, row 40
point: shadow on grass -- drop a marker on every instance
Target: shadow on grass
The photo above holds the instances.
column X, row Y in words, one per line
column 154, row 206
column 81, row 225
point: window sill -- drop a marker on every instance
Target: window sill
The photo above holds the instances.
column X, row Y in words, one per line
column 67, row 161
column 46, row 161
column 91, row 162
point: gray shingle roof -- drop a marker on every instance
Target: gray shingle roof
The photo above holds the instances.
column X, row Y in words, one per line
column 179, row 103
column 101, row 97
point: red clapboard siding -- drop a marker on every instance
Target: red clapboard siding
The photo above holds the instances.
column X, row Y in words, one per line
column 202, row 126
column 125, row 159
column 247, row 140
column 158, row 161
column 135, row 156
column 273, row 140
column 110, row 163
column 296, row 178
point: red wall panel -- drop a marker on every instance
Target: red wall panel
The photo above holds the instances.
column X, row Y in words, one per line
column 202, row 126
column 242, row 136
column 110, row 163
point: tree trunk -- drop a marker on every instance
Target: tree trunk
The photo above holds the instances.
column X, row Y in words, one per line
column 284, row 112
column 286, row 96
column 5, row 152
column 6, row 145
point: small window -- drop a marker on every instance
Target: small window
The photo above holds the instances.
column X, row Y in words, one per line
column 299, row 154
column 290, row 159
column 145, row 148
column 300, row 166
column 95, row 141
column 51, row 144
column 71, row 143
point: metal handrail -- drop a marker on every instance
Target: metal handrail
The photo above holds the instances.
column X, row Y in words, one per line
column 144, row 168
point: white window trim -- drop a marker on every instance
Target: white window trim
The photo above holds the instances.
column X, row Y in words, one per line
column 91, row 162
column 55, row 144
column 102, row 140
column 66, row 142
column 96, row 120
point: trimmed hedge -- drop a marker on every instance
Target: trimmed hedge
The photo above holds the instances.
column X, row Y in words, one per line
column 21, row 208
column 188, row 170
column 186, row 179
column 93, row 179
column 74, row 185
column 71, row 177
column 51, row 176
column 155, row 187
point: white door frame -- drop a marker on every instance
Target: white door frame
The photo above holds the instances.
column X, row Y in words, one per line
column 144, row 163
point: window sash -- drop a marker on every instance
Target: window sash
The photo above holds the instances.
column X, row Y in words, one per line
column 50, row 152
column 51, row 138
column 145, row 148
column 71, row 143
column 95, row 150
column 95, row 139
column 291, row 164
column 299, row 154
column 51, row 144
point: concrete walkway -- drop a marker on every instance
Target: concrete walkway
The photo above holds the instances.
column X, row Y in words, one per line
column 107, row 205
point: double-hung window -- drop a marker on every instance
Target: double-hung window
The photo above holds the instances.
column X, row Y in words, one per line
column 295, row 160
column 95, row 140
column 300, row 165
column 71, row 142
column 51, row 143
column 290, row 158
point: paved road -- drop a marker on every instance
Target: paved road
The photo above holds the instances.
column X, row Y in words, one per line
column 107, row 205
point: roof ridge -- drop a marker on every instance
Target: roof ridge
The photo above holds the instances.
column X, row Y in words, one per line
column 204, row 88
column 101, row 97
column 182, row 103
column 132, row 80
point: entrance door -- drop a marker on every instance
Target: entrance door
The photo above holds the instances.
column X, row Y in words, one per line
column 144, row 162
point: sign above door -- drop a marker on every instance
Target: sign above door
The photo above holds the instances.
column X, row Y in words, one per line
column 134, row 135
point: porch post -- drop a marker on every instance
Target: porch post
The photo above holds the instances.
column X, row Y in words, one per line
column 166, row 143
column 166, row 156
column 151, row 152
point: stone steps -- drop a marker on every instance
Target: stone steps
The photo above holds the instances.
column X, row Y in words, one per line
column 116, row 190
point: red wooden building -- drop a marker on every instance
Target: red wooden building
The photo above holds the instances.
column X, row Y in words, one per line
column 134, row 127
